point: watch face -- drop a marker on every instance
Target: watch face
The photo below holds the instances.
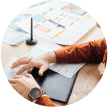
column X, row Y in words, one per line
column 35, row 92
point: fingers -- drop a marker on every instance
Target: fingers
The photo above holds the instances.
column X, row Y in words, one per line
column 42, row 70
column 21, row 61
column 29, row 75
column 13, row 81
column 29, row 65
column 18, row 60
column 17, row 76
column 18, row 63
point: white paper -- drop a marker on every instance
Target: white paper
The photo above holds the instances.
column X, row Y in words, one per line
column 75, row 29
column 67, row 70
column 14, row 35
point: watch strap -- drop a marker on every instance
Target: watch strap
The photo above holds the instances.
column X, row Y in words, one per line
column 42, row 91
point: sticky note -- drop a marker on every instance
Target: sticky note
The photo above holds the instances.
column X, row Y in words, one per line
column 77, row 13
column 72, row 12
column 75, row 10
column 88, row 15
column 67, row 9
column 38, row 18
column 48, row 15
column 29, row 23
column 60, row 35
column 85, row 18
column 54, row 33
column 42, row 28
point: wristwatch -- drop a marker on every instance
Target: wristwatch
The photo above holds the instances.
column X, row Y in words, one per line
column 36, row 93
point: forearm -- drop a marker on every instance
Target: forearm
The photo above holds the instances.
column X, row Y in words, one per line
column 92, row 51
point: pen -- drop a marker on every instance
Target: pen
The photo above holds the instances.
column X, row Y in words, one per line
column 57, row 23
column 57, row 34
column 31, row 29
column 31, row 41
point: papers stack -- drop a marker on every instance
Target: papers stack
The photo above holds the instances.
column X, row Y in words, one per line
column 14, row 35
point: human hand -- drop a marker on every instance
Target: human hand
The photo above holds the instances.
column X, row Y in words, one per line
column 41, row 62
column 23, row 84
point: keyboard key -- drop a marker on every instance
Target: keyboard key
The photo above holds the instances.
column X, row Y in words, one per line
column 10, row 73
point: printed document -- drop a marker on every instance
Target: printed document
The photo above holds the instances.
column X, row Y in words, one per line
column 67, row 70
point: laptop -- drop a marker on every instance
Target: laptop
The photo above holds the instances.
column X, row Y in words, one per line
column 56, row 86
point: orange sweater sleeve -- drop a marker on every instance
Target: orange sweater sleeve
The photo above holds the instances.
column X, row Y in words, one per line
column 92, row 51
column 45, row 101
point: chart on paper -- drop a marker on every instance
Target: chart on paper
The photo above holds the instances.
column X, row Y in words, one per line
column 14, row 35
column 51, row 20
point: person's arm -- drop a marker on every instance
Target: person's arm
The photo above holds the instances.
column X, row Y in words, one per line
column 24, row 84
column 18, row 81
column 45, row 101
column 86, row 52
column 92, row 51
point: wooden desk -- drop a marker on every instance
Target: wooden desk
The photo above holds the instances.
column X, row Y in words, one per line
column 88, row 76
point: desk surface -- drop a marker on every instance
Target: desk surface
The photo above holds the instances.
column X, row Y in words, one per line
column 88, row 76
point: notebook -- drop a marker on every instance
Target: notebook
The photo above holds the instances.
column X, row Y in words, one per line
column 56, row 86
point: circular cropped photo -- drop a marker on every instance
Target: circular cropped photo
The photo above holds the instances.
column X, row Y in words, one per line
column 53, row 53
